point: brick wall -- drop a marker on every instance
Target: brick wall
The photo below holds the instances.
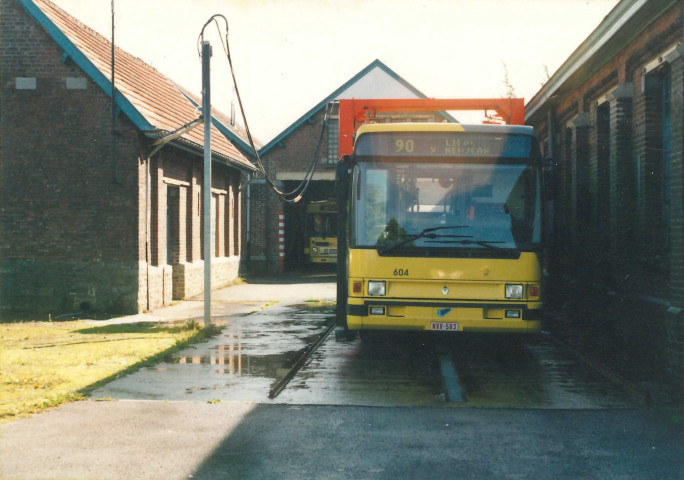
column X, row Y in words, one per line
column 620, row 249
column 176, row 232
column 68, row 194
column 84, row 216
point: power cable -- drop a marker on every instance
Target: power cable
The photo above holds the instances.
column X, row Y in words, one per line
column 297, row 193
column 113, row 101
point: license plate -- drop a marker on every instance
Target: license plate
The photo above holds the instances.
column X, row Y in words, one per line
column 444, row 326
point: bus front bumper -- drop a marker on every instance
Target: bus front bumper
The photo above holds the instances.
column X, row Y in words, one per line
column 374, row 314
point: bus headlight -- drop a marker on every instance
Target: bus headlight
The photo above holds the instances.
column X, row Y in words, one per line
column 514, row 291
column 314, row 250
column 376, row 288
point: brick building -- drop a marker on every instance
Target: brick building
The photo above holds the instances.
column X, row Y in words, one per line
column 611, row 118
column 100, row 207
column 287, row 157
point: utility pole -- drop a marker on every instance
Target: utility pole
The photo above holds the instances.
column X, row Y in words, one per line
column 206, row 187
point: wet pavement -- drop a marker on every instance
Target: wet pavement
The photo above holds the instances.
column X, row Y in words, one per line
column 240, row 364
column 392, row 369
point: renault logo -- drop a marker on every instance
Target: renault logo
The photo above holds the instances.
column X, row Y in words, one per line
column 445, row 290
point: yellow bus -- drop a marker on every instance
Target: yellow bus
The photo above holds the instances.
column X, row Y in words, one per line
column 442, row 229
column 320, row 241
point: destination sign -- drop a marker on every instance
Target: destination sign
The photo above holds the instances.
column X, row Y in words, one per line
column 443, row 144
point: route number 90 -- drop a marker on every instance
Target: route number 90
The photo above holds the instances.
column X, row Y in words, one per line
column 403, row 146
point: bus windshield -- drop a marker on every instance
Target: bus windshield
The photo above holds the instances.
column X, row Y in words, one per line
column 321, row 224
column 445, row 206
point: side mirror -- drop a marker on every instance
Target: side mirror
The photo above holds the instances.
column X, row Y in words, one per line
column 342, row 179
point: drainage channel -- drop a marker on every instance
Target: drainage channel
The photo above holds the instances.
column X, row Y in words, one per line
column 282, row 383
column 452, row 385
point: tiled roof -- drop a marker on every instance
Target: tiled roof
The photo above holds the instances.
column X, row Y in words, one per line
column 236, row 133
column 153, row 102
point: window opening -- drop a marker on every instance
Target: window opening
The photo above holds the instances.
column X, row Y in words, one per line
column 568, row 178
column 235, row 219
column 666, row 118
column 172, row 225
column 603, row 170
column 333, row 140
column 215, row 224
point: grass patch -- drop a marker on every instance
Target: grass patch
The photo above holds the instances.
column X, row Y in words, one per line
column 317, row 302
column 43, row 365
column 262, row 307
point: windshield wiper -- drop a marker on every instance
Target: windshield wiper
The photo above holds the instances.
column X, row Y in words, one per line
column 426, row 233
column 482, row 243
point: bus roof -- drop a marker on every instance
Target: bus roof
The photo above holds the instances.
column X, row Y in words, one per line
column 444, row 127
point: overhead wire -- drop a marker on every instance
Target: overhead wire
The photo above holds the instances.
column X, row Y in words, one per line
column 112, row 92
column 297, row 193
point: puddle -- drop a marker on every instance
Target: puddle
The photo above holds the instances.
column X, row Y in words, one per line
column 234, row 362
column 265, row 347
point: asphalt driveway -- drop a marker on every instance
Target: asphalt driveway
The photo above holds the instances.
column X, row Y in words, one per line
column 183, row 440
column 227, row 439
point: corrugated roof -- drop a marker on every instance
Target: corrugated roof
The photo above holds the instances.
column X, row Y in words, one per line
column 153, row 102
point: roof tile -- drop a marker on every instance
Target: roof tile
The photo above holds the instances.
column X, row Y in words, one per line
column 155, row 96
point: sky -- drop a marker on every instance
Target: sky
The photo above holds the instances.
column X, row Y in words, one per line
column 289, row 55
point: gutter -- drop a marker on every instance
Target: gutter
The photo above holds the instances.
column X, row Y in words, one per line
column 191, row 147
column 227, row 132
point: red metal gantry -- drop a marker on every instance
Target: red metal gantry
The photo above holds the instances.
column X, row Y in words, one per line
column 356, row 112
